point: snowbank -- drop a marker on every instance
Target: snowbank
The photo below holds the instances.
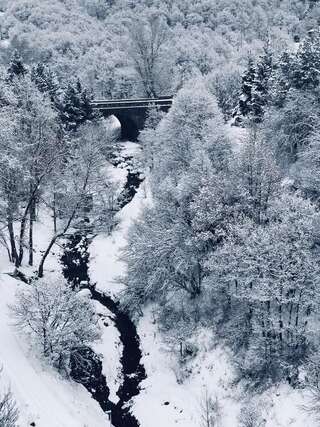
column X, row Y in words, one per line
column 42, row 396
column 237, row 136
column 164, row 400
column 174, row 403
column 174, row 394
column 105, row 250
column 110, row 347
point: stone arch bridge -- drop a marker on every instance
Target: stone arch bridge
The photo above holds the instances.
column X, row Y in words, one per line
column 131, row 113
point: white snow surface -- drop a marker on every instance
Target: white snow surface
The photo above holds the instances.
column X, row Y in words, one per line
column 174, row 396
column 237, row 136
column 110, row 347
column 42, row 395
column 130, row 149
column 117, row 176
column 170, row 395
column 106, row 267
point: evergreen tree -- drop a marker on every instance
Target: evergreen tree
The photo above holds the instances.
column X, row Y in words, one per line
column 75, row 108
column 296, row 71
column 85, row 104
column 306, row 67
column 16, row 66
column 255, row 86
column 78, row 86
column 45, row 80
column 280, row 80
column 260, row 87
column 70, row 109
column 246, row 89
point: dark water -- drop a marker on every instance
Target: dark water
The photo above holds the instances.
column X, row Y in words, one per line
column 86, row 368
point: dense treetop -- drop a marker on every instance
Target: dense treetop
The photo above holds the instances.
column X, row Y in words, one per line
column 92, row 39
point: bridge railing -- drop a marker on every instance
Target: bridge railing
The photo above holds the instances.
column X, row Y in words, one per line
column 132, row 103
column 159, row 98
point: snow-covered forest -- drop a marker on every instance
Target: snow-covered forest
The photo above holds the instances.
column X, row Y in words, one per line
column 170, row 279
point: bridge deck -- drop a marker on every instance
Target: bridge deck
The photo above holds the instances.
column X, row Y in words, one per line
column 125, row 104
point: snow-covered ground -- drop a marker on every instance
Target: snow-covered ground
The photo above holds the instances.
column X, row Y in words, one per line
column 174, row 403
column 130, row 149
column 162, row 398
column 236, row 135
column 42, row 396
column 176, row 394
column 110, row 347
column 105, row 266
column 171, row 395
column 166, row 400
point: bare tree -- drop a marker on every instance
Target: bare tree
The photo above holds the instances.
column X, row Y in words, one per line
column 78, row 186
column 58, row 320
column 42, row 150
column 148, row 39
column 313, row 386
column 31, row 149
column 259, row 175
column 8, row 409
column 210, row 410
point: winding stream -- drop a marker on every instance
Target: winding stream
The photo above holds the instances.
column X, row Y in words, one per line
column 89, row 373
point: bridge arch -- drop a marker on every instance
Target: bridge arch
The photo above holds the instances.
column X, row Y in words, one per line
column 130, row 125
column 131, row 113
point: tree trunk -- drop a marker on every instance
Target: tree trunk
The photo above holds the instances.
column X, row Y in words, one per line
column 14, row 254
column 21, row 236
column 31, row 221
column 9, row 254
column 280, row 326
column 44, row 257
column 54, row 209
column 196, row 281
column 62, row 233
column 23, row 222
column 53, row 241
